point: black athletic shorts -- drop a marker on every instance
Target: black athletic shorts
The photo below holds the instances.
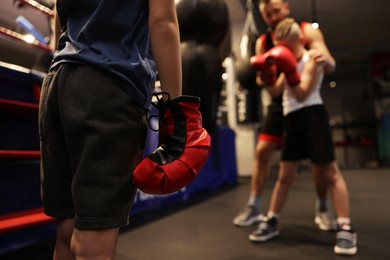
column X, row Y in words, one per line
column 92, row 137
column 273, row 122
column 272, row 126
column 308, row 136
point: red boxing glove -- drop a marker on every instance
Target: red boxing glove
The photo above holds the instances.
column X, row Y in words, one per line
column 184, row 147
column 286, row 63
column 267, row 70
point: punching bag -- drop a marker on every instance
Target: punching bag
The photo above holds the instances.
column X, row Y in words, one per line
column 203, row 25
column 245, row 74
column 248, row 99
column 254, row 24
column 205, row 21
column 202, row 71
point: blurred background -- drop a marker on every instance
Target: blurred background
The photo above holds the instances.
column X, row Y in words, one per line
column 217, row 40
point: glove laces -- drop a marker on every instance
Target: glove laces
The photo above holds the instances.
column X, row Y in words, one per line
column 160, row 104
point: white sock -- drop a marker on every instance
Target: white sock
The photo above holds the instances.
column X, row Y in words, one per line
column 344, row 221
column 271, row 214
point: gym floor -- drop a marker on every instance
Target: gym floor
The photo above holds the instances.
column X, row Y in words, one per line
column 203, row 229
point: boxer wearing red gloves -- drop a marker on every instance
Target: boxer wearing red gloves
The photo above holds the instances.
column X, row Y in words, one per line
column 270, row 137
column 307, row 134
column 92, row 118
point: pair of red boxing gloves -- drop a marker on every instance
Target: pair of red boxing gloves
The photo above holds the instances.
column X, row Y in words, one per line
column 183, row 148
column 277, row 58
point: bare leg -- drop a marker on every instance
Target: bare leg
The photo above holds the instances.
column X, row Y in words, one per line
column 95, row 244
column 321, row 184
column 63, row 237
column 260, row 172
column 346, row 237
column 267, row 228
column 251, row 213
column 337, row 186
column 287, row 173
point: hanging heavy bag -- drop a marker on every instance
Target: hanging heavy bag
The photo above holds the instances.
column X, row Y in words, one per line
column 244, row 73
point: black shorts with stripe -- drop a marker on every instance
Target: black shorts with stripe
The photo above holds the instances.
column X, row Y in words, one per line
column 308, row 135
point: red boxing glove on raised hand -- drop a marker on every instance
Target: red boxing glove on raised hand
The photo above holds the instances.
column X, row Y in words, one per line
column 286, row 63
column 267, row 71
column 184, row 147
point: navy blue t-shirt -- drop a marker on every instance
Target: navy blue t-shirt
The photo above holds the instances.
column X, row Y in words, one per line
column 112, row 35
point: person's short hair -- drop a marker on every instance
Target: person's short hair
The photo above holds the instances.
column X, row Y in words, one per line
column 287, row 29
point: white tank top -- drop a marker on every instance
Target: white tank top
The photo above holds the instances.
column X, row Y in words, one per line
column 290, row 103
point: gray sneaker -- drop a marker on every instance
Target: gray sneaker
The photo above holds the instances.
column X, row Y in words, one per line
column 247, row 217
column 325, row 220
column 266, row 230
column 346, row 241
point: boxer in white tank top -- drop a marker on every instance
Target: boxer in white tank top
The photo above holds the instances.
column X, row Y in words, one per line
column 290, row 103
column 307, row 135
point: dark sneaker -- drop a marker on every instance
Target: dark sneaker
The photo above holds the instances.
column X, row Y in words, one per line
column 247, row 217
column 346, row 241
column 266, row 230
column 325, row 220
